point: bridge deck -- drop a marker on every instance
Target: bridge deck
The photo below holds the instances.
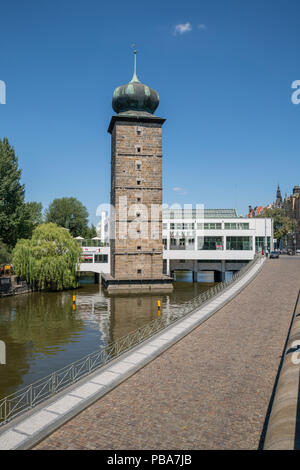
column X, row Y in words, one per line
column 211, row 390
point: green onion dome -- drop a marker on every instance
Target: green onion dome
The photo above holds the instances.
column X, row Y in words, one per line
column 135, row 96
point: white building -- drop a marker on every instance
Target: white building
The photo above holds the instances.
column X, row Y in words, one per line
column 212, row 240
column 95, row 256
column 196, row 240
column 103, row 228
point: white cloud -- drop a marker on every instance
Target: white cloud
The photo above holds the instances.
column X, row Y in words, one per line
column 183, row 28
column 202, row 27
column 179, row 190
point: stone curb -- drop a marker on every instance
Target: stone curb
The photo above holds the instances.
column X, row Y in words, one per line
column 283, row 431
column 28, row 429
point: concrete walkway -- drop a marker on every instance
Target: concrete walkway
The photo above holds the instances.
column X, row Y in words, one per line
column 211, row 390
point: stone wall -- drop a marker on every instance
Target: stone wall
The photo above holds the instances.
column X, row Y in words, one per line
column 136, row 185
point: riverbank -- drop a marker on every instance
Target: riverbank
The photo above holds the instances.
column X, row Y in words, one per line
column 45, row 331
column 12, row 285
column 25, row 431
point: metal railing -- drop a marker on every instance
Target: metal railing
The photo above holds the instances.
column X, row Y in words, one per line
column 30, row 396
column 92, row 243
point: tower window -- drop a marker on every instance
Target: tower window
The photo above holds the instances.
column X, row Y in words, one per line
column 139, row 199
column 138, row 248
column 138, row 149
column 138, row 182
column 138, row 214
column 139, row 130
column 139, row 271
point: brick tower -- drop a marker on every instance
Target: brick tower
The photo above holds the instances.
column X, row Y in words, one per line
column 136, row 190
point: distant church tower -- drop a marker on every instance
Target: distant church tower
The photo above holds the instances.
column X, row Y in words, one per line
column 278, row 202
column 136, row 190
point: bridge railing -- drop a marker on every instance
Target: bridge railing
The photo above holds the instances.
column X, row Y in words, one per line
column 43, row 389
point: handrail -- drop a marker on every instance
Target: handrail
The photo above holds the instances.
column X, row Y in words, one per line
column 33, row 394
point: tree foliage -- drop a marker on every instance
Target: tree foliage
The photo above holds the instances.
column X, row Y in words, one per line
column 17, row 218
column 11, row 194
column 282, row 224
column 90, row 232
column 32, row 217
column 5, row 253
column 70, row 213
column 49, row 259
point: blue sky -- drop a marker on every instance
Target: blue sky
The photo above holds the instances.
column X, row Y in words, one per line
column 223, row 70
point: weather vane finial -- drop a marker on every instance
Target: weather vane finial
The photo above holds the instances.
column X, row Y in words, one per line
column 135, row 77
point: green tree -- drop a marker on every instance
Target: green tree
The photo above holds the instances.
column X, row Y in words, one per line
column 31, row 218
column 49, row 259
column 282, row 224
column 70, row 213
column 5, row 253
column 17, row 218
column 90, row 232
column 11, row 194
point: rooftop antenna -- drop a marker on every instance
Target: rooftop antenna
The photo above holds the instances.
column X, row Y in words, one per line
column 235, row 197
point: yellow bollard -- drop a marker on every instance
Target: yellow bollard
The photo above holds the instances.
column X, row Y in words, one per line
column 74, row 298
column 158, row 308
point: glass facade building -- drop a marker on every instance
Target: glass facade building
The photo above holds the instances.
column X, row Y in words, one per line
column 260, row 243
column 238, row 243
column 210, row 243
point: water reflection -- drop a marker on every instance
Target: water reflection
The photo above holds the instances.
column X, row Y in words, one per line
column 43, row 333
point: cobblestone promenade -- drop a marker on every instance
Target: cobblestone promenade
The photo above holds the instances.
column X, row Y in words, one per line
column 209, row 391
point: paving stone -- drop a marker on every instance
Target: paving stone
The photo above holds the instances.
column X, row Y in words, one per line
column 169, row 335
column 86, row 390
column 105, row 378
column 36, row 422
column 121, row 367
column 64, row 404
column 158, row 342
column 135, row 358
column 147, row 349
column 10, row 439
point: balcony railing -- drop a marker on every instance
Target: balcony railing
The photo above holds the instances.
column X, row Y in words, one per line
column 92, row 243
column 182, row 247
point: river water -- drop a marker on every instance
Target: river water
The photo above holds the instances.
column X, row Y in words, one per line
column 44, row 333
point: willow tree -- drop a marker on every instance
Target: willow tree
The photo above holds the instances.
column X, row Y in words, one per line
column 49, row 259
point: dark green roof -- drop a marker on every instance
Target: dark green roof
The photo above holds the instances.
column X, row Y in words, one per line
column 198, row 214
column 135, row 96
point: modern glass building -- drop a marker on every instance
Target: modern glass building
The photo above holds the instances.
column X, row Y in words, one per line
column 198, row 240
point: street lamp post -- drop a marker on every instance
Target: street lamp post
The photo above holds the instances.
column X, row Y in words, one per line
column 266, row 245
